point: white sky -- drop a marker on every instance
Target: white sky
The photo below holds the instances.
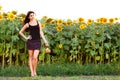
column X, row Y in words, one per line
column 65, row 8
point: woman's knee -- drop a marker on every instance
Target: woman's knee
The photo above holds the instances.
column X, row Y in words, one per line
column 35, row 57
column 31, row 52
column 36, row 52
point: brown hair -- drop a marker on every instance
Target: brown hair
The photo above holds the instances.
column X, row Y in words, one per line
column 27, row 17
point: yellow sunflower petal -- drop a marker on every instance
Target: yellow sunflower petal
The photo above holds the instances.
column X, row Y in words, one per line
column 11, row 16
column 82, row 26
column 0, row 7
column 60, row 45
column 81, row 19
column 59, row 22
column 59, row 28
column 1, row 17
column 93, row 43
column 111, row 20
column 14, row 12
column 43, row 26
column 89, row 21
column 104, row 20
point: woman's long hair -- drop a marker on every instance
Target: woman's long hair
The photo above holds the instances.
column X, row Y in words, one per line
column 27, row 20
column 27, row 17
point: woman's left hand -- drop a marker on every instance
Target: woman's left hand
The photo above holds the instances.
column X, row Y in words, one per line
column 46, row 44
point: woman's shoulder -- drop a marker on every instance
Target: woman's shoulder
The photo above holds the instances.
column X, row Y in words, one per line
column 38, row 21
column 27, row 25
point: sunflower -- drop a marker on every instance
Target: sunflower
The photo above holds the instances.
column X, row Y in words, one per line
column 82, row 26
column 111, row 20
column 68, row 23
column 0, row 7
column 92, row 43
column 45, row 17
column 11, row 16
column 14, row 12
column 22, row 15
column 98, row 20
column 59, row 28
column 104, row 20
column 4, row 14
column 81, row 19
column 22, row 21
column 60, row 45
column 116, row 18
column 43, row 26
column 59, row 22
column 89, row 21
column 52, row 22
column 49, row 20
column 1, row 17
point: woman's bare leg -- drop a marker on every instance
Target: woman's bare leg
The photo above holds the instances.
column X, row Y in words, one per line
column 31, row 52
column 35, row 60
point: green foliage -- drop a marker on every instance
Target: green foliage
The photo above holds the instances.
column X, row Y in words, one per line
column 94, row 43
column 64, row 70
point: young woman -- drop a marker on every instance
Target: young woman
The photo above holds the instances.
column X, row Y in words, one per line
column 33, row 40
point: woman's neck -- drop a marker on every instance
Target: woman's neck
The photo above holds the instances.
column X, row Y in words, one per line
column 32, row 20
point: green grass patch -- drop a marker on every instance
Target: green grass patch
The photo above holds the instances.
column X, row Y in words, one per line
column 63, row 70
column 63, row 78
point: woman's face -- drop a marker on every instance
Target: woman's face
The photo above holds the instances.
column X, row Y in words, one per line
column 31, row 16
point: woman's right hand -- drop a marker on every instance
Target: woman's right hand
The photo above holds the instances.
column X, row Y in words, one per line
column 29, row 37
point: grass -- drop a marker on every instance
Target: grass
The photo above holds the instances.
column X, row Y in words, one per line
column 63, row 78
column 77, row 69
column 64, row 70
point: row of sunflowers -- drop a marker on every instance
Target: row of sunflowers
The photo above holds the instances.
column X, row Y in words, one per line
column 71, row 41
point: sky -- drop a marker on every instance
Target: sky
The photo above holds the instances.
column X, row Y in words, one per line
column 64, row 9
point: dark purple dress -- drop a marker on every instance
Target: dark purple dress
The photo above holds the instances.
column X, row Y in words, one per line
column 35, row 42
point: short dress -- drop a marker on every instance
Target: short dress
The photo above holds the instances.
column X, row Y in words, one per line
column 35, row 42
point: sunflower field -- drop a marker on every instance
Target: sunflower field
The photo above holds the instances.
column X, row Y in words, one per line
column 71, row 41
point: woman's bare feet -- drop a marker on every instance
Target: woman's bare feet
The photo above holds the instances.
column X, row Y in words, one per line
column 35, row 74
column 32, row 75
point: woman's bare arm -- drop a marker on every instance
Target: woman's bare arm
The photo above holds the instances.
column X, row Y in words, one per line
column 42, row 35
column 22, row 30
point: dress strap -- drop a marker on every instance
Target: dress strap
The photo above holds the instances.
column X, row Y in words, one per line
column 37, row 22
column 28, row 24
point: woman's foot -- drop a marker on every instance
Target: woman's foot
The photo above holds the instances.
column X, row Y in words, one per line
column 35, row 74
column 32, row 75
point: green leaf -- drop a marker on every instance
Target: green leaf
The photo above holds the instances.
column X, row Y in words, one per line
column 7, row 47
column 101, row 51
column 23, row 56
column 96, row 46
column 92, row 52
column 14, row 51
column 97, row 58
column 1, row 45
column 71, row 51
column 15, row 38
column 66, row 47
column 107, row 45
column 88, row 50
column 79, row 47
column 41, row 57
column 107, row 56
column 87, row 46
column 118, row 42
column 108, row 36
